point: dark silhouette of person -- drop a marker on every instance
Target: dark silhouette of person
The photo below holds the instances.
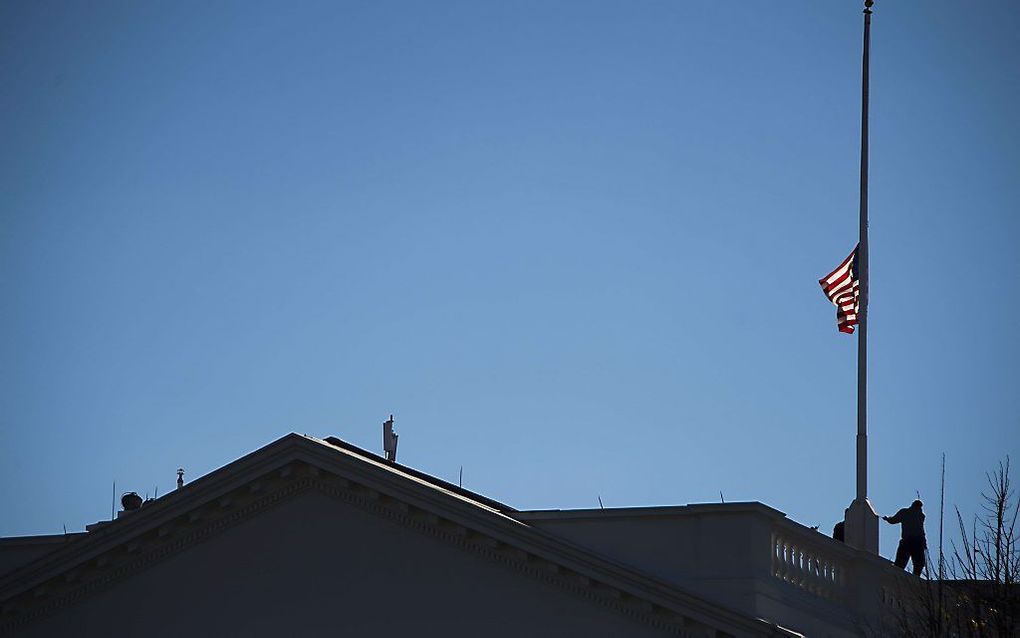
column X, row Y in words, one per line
column 912, row 541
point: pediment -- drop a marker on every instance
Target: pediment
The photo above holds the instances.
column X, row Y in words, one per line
column 295, row 467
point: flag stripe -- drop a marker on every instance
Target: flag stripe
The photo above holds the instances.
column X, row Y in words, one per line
column 842, row 288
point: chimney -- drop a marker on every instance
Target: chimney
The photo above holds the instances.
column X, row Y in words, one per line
column 389, row 441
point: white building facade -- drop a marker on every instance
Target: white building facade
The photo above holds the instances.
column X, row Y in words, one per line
column 310, row 537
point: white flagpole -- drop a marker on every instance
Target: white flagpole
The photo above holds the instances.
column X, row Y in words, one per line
column 862, row 266
column 861, row 519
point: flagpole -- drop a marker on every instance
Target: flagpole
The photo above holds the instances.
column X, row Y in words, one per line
column 862, row 267
column 861, row 518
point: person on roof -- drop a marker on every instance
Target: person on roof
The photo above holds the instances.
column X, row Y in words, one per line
column 912, row 541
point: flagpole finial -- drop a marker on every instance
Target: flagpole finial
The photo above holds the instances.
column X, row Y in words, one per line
column 867, row 5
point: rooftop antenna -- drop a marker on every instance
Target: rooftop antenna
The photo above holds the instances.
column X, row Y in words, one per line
column 721, row 499
column 156, row 495
column 389, row 440
column 601, row 506
column 942, row 512
column 180, row 477
column 460, row 482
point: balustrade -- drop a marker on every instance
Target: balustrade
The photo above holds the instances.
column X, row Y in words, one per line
column 804, row 565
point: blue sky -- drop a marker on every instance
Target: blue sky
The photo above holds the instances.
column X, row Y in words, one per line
column 572, row 247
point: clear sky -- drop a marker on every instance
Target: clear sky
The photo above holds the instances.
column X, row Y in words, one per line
column 572, row 246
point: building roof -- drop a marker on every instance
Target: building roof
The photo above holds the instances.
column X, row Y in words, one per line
column 295, row 463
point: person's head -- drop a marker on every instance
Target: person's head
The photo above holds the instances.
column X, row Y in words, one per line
column 917, row 505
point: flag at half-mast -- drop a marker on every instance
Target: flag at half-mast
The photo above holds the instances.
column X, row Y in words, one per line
column 842, row 287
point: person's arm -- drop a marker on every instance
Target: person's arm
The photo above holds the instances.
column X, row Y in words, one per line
column 895, row 518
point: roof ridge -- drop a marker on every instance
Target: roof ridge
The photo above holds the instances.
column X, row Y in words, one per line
column 428, row 478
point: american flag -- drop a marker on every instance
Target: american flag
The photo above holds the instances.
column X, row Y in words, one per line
column 841, row 286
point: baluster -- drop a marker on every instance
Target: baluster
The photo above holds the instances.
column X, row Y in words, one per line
column 777, row 561
column 788, row 561
column 812, row 561
column 799, row 562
